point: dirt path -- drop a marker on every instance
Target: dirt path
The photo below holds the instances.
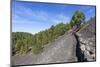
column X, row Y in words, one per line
column 62, row 49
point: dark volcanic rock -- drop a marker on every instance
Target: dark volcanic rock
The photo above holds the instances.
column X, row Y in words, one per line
column 88, row 41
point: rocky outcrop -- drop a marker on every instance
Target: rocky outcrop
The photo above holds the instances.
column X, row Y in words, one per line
column 66, row 48
column 63, row 49
column 87, row 47
column 87, row 40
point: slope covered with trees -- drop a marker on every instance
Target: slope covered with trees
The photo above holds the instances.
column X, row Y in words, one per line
column 21, row 42
column 24, row 42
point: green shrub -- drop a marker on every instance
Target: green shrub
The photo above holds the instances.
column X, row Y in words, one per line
column 37, row 49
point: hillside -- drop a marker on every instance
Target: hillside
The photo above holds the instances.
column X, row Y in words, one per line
column 61, row 50
column 66, row 48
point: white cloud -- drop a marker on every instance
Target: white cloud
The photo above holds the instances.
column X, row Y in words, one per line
column 22, row 14
column 25, row 13
column 56, row 21
column 61, row 18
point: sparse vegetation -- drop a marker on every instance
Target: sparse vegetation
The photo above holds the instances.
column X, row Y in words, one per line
column 23, row 42
column 77, row 19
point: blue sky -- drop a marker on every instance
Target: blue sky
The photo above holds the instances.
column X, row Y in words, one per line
column 34, row 17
